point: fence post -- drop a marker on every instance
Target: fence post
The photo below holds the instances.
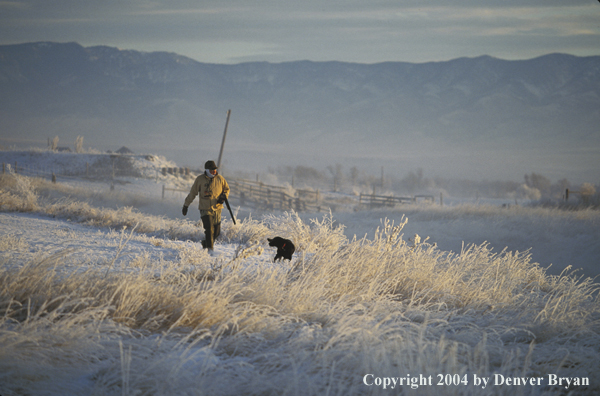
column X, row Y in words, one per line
column 16, row 167
column 163, row 192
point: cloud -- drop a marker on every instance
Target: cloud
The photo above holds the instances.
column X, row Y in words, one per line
column 280, row 30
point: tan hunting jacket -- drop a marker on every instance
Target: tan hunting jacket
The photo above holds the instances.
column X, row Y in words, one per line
column 208, row 191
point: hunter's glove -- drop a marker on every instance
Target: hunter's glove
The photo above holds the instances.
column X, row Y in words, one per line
column 222, row 198
column 184, row 210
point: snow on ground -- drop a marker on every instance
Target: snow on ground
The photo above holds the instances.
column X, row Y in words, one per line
column 45, row 236
column 69, row 164
column 41, row 237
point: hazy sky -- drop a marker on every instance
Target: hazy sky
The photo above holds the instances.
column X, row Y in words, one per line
column 365, row 31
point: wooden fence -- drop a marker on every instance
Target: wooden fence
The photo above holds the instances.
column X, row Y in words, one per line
column 374, row 201
column 264, row 196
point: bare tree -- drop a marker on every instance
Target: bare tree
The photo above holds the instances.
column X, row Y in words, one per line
column 354, row 175
column 54, row 144
column 538, row 182
column 587, row 191
column 79, row 144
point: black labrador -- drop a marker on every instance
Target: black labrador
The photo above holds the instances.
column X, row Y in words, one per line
column 285, row 248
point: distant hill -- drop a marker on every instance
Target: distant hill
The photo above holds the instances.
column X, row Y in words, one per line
column 454, row 117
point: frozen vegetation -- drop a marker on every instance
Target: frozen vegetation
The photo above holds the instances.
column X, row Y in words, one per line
column 101, row 298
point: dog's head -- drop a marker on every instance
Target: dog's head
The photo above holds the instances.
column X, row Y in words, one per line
column 277, row 241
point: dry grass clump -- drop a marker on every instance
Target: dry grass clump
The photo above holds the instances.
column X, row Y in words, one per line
column 139, row 300
column 18, row 193
column 247, row 232
column 12, row 242
column 321, row 234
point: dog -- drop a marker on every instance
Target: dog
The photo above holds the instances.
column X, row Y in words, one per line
column 285, row 248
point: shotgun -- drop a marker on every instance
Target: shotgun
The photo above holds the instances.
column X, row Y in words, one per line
column 229, row 209
column 222, row 199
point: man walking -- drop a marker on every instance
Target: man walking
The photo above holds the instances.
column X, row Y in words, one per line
column 212, row 190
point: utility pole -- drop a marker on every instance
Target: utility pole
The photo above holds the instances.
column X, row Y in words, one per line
column 223, row 141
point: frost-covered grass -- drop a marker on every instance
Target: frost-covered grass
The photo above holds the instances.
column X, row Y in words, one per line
column 237, row 324
column 555, row 238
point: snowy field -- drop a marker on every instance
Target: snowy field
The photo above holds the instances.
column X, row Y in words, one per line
column 105, row 290
column 556, row 239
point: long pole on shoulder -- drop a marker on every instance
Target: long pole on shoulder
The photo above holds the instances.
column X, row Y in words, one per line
column 223, row 141
column 219, row 162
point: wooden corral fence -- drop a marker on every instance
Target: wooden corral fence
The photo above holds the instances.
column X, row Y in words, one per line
column 375, row 201
column 264, row 196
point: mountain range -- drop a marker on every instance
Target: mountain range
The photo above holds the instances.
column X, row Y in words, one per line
column 477, row 117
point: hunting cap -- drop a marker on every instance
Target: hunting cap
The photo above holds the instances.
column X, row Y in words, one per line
column 210, row 165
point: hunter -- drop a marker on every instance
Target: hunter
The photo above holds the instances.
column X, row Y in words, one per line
column 212, row 190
